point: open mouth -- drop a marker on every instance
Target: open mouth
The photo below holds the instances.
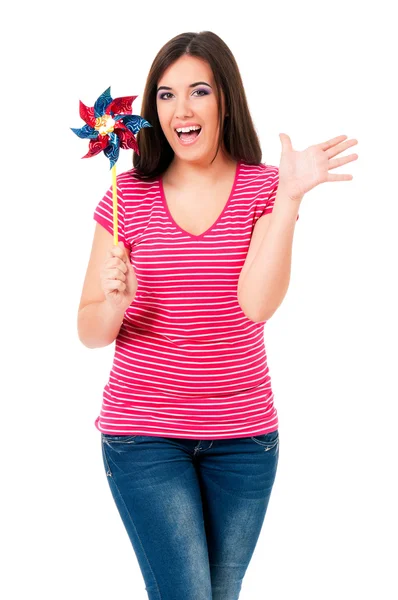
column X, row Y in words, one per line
column 190, row 137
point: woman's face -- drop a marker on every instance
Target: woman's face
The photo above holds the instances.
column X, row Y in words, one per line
column 183, row 104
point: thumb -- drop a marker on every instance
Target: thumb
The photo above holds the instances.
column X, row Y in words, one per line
column 126, row 256
column 285, row 141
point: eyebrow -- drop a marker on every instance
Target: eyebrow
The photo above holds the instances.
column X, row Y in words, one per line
column 165, row 87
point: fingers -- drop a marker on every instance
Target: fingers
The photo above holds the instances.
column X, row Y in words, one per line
column 120, row 251
column 118, row 280
column 332, row 142
column 335, row 146
column 339, row 149
column 116, row 257
column 117, row 274
column 342, row 177
column 119, row 263
column 338, row 162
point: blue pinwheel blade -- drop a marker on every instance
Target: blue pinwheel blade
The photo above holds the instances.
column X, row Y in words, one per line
column 102, row 102
column 112, row 150
column 134, row 123
column 86, row 132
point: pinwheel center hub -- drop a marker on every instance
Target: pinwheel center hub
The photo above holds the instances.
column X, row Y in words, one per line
column 104, row 124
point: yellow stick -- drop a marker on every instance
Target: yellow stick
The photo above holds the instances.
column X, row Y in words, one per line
column 114, row 190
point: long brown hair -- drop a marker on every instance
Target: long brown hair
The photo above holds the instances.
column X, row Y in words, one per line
column 238, row 132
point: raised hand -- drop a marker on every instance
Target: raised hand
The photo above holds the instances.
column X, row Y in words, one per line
column 300, row 172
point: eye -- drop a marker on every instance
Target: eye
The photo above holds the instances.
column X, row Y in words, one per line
column 201, row 92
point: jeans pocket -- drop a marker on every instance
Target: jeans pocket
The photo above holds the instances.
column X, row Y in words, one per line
column 113, row 447
column 267, row 440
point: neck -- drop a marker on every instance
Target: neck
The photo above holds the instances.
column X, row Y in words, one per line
column 201, row 172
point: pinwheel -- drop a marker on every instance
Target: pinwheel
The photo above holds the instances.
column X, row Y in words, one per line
column 109, row 127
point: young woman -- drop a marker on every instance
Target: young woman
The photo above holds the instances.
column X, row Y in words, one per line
column 188, row 426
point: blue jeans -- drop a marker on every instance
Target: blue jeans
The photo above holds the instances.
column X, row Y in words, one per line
column 193, row 509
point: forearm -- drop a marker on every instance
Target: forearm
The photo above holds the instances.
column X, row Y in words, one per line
column 98, row 324
column 267, row 279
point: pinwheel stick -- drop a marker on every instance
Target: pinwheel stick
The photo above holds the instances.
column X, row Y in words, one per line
column 114, row 190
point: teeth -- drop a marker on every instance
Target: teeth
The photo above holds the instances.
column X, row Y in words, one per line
column 186, row 129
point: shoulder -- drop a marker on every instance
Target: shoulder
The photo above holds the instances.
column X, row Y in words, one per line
column 260, row 179
column 130, row 183
column 267, row 171
column 260, row 172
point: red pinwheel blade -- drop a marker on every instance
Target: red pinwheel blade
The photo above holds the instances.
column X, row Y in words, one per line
column 87, row 114
column 120, row 105
column 96, row 146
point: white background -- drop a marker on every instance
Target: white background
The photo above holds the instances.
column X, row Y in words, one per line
column 313, row 70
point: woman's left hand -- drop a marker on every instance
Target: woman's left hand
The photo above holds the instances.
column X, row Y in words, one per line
column 300, row 172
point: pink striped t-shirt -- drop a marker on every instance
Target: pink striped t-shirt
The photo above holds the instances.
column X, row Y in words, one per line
column 188, row 363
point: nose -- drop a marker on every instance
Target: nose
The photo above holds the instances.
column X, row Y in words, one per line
column 183, row 109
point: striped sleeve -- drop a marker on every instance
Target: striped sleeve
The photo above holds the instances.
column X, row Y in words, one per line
column 103, row 214
column 271, row 192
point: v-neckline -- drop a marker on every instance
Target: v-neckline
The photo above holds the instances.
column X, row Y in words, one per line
column 191, row 235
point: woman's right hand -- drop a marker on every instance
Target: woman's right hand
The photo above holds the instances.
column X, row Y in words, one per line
column 118, row 279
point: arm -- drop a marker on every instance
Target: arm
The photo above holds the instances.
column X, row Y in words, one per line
column 264, row 284
column 98, row 324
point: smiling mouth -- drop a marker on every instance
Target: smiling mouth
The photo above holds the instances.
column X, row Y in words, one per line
column 188, row 138
column 194, row 133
